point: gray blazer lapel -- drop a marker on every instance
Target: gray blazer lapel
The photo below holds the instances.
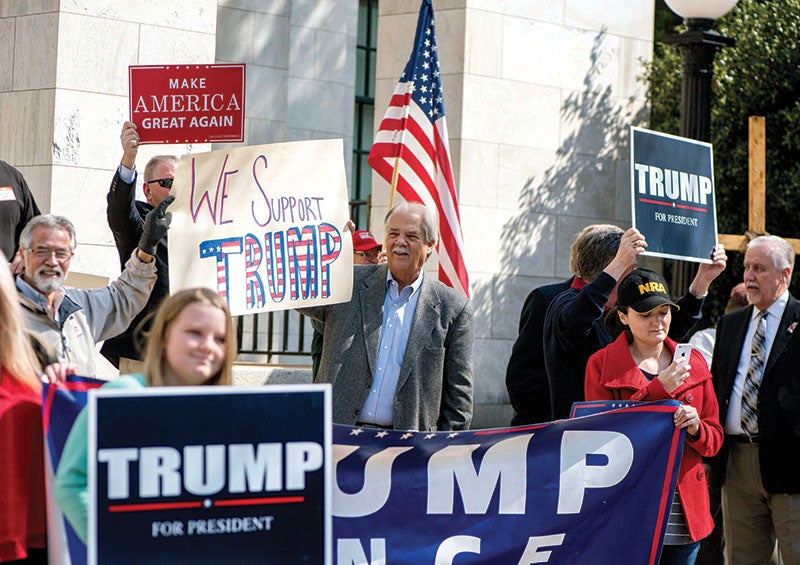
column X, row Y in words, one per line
column 425, row 319
column 371, row 296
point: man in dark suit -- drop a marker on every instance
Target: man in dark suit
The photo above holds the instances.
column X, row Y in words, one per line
column 125, row 217
column 399, row 353
column 756, row 368
column 526, row 376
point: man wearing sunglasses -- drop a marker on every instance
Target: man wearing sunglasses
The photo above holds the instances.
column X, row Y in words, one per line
column 125, row 217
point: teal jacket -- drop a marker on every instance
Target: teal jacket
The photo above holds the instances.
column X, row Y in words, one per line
column 71, row 487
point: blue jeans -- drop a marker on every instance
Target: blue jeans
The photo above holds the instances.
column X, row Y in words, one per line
column 679, row 554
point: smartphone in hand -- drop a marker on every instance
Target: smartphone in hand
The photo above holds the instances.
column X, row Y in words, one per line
column 682, row 353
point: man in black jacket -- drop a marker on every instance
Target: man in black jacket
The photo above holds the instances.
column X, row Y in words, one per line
column 526, row 376
column 574, row 324
column 17, row 207
column 125, row 217
column 755, row 367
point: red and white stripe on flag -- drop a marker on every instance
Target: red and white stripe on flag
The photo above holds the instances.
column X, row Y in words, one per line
column 413, row 133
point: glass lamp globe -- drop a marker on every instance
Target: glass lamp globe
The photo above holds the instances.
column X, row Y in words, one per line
column 705, row 9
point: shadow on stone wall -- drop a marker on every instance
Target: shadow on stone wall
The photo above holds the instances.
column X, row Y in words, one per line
column 587, row 183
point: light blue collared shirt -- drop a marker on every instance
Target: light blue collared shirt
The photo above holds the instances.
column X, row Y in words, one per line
column 733, row 419
column 125, row 174
column 398, row 314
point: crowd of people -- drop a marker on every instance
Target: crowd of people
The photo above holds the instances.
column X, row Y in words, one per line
column 398, row 355
column 610, row 333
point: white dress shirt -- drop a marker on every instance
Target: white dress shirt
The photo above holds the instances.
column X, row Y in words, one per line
column 733, row 419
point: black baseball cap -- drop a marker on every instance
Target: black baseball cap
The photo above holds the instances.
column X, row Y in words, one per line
column 643, row 290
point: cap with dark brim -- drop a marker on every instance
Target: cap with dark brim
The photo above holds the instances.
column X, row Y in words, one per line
column 652, row 302
column 642, row 290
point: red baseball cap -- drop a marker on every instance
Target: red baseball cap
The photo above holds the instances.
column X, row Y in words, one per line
column 363, row 241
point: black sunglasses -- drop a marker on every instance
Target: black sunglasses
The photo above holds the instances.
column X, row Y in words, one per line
column 166, row 183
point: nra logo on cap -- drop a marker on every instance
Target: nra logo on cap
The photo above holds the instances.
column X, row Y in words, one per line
column 652, row 286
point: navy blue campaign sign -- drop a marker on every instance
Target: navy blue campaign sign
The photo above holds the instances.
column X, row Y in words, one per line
column 210, row 475
column 592, row 490
column 673, row 203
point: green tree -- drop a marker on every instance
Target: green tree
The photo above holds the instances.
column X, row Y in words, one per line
column 758, row 76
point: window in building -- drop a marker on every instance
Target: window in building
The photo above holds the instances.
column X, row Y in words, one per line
column 366, row 46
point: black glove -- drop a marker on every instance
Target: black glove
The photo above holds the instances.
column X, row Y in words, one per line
column 156, row 224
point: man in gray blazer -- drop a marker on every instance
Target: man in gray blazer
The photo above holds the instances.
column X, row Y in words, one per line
column 399, row 354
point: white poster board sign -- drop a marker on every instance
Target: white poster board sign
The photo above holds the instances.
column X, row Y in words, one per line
column 264, row 226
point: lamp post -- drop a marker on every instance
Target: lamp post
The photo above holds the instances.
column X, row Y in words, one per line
column 698, row 44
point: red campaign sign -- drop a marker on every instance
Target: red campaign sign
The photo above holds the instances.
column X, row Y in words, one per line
column 188, row 103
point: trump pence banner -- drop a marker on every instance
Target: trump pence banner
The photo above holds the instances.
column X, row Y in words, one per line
column 263, row 226
column 61, row 404
column 672, row 185
column 594, row 489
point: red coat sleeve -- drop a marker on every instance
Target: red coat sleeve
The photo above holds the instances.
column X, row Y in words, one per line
column 709, row 439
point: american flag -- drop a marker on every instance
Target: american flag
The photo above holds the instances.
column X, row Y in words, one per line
column 413, row 132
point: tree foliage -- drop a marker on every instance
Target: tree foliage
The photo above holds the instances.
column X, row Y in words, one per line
column 758, row 76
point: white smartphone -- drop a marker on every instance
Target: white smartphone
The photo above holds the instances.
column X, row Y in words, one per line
column 682, row 353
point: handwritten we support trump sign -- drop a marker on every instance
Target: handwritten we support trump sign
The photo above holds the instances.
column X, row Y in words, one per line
column 264, row 226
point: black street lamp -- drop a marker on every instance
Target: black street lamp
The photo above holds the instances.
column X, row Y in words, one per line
column 698, row 45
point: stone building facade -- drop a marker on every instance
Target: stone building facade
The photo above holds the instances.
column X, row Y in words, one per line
column 539, row 95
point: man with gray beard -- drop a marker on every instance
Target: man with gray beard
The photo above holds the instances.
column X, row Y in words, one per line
column 74, row 320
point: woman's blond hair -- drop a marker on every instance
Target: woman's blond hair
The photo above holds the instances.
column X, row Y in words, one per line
column 16, row 352
column 155, row 360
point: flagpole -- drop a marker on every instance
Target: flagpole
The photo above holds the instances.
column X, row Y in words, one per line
column 393, row 188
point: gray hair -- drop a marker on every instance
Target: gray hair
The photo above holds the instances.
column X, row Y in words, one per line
column 780, row 251
column 49, row 221
column 155, row 162
column 430, row 221
column 594, row 249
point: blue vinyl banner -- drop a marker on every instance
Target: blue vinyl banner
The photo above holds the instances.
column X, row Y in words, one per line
column 673, row 202
column 595, row 490
column 61, row 404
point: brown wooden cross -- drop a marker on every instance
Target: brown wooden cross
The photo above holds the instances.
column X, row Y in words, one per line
column 756, row 217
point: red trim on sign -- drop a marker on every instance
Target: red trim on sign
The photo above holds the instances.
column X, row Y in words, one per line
column 200, row 504
column 673, row 205
column 665, row 494
column 257, row 501
column 153, row 506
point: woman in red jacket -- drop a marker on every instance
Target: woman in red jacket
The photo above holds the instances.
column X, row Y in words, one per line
column 638, row 365
column 22, row 502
